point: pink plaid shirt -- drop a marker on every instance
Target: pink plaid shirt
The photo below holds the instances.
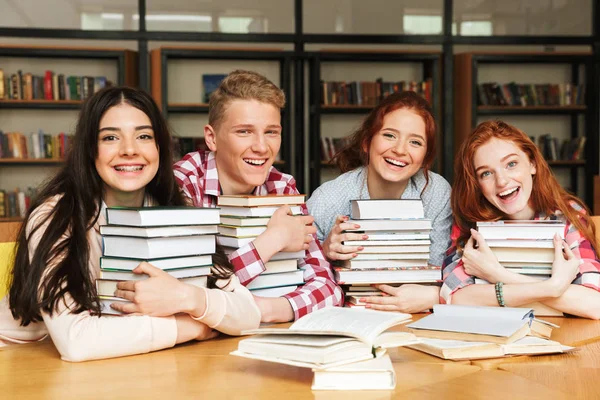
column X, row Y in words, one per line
column 197, row 175
column 456, row 278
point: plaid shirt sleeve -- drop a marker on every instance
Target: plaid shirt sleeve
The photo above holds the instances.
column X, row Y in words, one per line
column 320, row 289
column 589, row 270
column 453, row 271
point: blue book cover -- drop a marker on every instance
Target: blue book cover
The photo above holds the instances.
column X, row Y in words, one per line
column 211, row 82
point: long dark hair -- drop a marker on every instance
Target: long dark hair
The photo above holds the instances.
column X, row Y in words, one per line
column 356, row 153
column 469, row 205
column 78, row 188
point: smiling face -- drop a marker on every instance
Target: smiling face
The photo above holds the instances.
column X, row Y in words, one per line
column 396, row 152
column 245, row 143
column 128, row 157
column 505, row 176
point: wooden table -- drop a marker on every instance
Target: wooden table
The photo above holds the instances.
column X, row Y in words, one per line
column 206, row 370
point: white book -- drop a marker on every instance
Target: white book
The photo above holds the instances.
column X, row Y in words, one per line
column 107, row 287
column 162, row 216
column 177, row 273
column 255, row 201
column 277, row 266
column 368, row 243
column 475, row 323
column 381, row 264
column 274, row 292
column 373, row 374
column 515, row 229
column 387, row 209
column 240, row 221
column 133, row 247
column 106, row 301
column 274, row 280
column 389, row 249
column 398, row 235
column 327, row 337
column 157, row 231
column 505, row 254
column 390, row 224
column 129, row 264
column 409, row 275
column 255, row 211
column 361, row 256
column 519, row 243
column 241, row 231
column 233, row 242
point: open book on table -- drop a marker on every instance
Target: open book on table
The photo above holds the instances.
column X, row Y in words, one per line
column 326, row 338
column 480, row 324
column 463, row 350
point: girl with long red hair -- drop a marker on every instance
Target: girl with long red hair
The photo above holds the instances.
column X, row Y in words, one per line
column 388, row 157
column 500, row 174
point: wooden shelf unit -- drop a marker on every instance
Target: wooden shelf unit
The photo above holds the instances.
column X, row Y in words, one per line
column 467, row 110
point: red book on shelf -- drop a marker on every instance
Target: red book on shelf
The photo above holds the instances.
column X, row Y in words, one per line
column 48, row 93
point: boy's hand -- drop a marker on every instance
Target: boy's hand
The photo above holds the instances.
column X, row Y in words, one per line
column 293, row 233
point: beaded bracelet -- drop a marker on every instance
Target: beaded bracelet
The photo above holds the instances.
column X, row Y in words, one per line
column 500, row 294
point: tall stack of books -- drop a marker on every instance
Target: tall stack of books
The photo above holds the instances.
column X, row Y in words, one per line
column 178, row 240
column 396, row 251
column 524, row 247
column 245, row 217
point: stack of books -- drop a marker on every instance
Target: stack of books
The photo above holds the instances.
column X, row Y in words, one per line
column 524, row 247
column 396, row 251
column 178, row 240
column 245, row 217
column 346, row 348
column 456, row 332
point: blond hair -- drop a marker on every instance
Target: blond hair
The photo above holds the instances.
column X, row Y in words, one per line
column 242, row 85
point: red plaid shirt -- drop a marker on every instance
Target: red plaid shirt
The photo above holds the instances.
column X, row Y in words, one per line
column 456, row 278
column 197, row 175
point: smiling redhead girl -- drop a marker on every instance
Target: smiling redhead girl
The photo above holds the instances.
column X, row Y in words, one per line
column 501, row 174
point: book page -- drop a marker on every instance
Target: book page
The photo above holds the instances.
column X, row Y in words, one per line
column 451, row 344
column 482, row 312
column 365, row 325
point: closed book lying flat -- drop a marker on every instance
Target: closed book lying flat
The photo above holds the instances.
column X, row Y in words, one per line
column 240, row 221
column 274, row 292
column 265, row 211
column 521, row 229
column 369, row 243
column 398, row 235
column 391, row 256
column 157, row 231
column 107, row 287
column 373, row 374
column 162, row 216
column 253, row 201
column 279, row 256
column 106, row 301
column 390, row 249
column 345, row 276
column 277, row 266
column 125, row 275
column 275, row 280
column 241, row 232
column 463, row 350
column 133, row 247
column 475, row 323
column 233, row 242
column 380, row 264
column 162, row 263
column 327, row 337
column 515, row 254
column 533, row 244
column 390, row 224
column 386, row 209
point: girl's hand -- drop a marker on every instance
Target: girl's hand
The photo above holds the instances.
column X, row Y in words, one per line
column 481, row 261
column 408, row 298
column 160, row 295
column 333, row 247
column 565, row 266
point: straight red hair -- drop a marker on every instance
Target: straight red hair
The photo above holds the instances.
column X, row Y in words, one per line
column 469, row 204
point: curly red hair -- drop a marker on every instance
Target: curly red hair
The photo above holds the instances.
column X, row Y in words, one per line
column 469, row 205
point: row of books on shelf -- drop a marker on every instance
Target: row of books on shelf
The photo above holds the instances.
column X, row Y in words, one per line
column 50, row 86
column 369, row 93
column 330, row 146
column 15, row 203
column 527, row 94
column 568, row 150
column 36, row 145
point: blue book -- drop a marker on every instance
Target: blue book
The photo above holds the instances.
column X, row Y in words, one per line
column 211, row 82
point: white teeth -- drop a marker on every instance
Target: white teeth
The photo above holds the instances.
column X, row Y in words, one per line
column 507, row 192
column 255, row 162
column 395, row 162
column 129, row 168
